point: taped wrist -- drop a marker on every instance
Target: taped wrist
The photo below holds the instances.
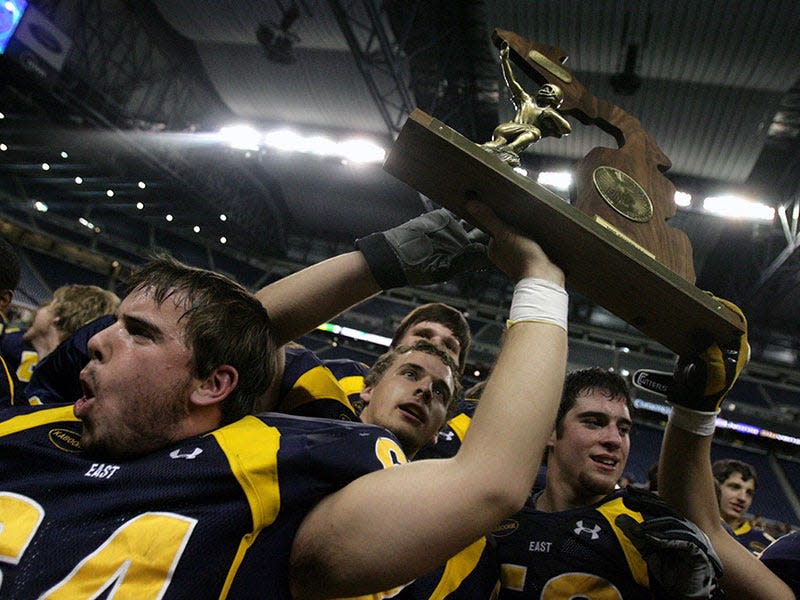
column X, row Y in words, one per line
column 382, row 261
column 693, row 421
column 538, row 301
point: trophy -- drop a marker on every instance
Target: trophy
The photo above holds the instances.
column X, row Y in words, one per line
column 612, row 241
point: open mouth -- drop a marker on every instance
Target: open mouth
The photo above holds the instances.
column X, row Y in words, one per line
column 413, row 411
column 82, row 404
column 606, row 461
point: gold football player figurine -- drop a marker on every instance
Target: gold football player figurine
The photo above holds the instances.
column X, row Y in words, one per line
column 536, row 117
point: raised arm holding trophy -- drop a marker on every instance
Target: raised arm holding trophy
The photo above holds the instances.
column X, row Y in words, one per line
column 612, row 239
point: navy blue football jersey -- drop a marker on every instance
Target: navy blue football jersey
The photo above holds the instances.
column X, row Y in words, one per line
column 7, row 388
column 472, row 574
column 20, row 359
column 350, row 374
column 451, row 436
column 783, row 558
column 754, row 539
column 578, row 553
column 55, row 379
column 309, row 388
column 212, row 516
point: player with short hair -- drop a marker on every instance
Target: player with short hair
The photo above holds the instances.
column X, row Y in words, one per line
column 574, row 538
column 70, row 308
column 699, row 385
column 162, row 484
column 738, row 482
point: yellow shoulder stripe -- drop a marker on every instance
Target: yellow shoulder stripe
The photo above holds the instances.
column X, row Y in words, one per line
column 315, row 384
column 251, row 447
column 637, row 565
column 352, row 384
column 34, row 419
column 459, row 424
column 458, row 568
column 9, row 380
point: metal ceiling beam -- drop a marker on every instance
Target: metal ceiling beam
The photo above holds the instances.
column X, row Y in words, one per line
column 378, row 57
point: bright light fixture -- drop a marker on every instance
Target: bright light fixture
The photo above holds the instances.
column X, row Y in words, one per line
column 3, row 147
column 139, row 205
column 737, row 207
column 683, row 198
column 45, row 167
column 40, row 206
column 361, row 151
column 142, row 185
column 110, row 193
column 561, row 180
column 240, row 137
column 223, row 217
column 353, row 150
column 223, row 240
column 196, row 229
column 79, row 180
column 169, row 218
column 64, row 155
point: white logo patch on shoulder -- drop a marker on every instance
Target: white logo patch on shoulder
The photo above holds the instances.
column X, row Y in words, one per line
column 594, row 531
column 187, row 455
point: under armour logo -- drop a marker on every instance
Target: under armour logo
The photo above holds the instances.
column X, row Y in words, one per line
column 187, row 455
column 594, row 531
column 447, row 435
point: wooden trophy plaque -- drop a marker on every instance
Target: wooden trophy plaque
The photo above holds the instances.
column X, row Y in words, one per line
column 612, row 241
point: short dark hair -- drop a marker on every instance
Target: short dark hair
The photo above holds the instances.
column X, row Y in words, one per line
column 724, row 468
column 584, row 380
column 224, row 325
column 10, row 272
column 387, row 359
column 438, row 312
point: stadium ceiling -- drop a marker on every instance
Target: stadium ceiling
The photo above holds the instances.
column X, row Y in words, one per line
column 132, row 91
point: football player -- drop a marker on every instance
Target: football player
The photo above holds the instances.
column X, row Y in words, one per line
column 173, row 490
column 737, row 489
column 700, row 384
column 575, row 536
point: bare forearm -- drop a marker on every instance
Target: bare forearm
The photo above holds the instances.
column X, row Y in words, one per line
column 301, row 301
column 418, row 515
column 686, row 482
column 525, row 387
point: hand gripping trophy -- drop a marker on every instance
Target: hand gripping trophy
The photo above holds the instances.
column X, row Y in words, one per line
column 535, row 118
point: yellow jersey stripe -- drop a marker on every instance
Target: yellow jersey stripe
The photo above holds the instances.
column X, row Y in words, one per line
column 459, row 424
column 637, row 565
column 352, row 384
column 34, row 419
column 251, row 447
column 458, row 568
column 315, row 384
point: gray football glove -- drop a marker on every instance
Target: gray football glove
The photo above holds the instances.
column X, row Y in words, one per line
column 428, row 249
column 680, row 559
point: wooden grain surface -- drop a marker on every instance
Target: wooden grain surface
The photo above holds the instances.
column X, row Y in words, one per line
column 448, row 168
column 637, row 154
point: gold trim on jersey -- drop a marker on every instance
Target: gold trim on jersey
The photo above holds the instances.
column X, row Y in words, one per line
column 458, row 569
column 352, row 384
column 34, row 419
column 9, row 380
column 315, row 384
column 251, row 447
column 745, row 527
column 637, row 565
column 459, row 424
